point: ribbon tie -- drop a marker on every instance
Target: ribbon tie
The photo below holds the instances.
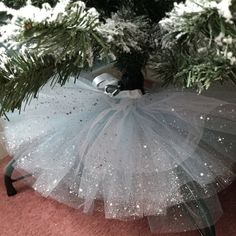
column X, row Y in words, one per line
column 108, row 83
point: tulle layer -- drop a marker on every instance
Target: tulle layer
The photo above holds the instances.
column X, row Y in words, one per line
column 164, row 155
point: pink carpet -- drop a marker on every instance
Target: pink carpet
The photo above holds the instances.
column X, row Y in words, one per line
column 29, row 214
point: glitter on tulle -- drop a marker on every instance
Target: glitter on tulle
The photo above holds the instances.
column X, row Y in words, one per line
column 154, row 156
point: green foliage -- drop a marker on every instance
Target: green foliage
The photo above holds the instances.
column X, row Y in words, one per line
column 135, row 60
column 153, row 10
column 201, row 75
column 193, row 50
column 73, row 37
column 60, row 48
column 197, row 49
column 29, row 76
column 73, row 40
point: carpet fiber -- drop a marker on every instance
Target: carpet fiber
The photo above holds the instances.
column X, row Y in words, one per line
column 28, row 214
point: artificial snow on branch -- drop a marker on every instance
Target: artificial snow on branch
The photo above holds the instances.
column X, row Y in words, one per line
column 201, row 36
column 71, row 34
column 193, row 46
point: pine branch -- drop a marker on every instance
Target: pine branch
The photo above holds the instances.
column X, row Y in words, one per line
column 53, row 50
column 197, row 47
column 74, row 35
column 60, row 43
column 166, row 65
column 22, row 78
column 24, row 75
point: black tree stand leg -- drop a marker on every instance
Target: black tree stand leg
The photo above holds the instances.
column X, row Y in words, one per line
column 11, row 191
column 8, row 180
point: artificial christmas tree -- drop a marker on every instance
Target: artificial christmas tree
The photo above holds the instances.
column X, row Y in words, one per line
column 192, row 48
column 169, row 136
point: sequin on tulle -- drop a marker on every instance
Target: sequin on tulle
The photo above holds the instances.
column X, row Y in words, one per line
column 154, row 156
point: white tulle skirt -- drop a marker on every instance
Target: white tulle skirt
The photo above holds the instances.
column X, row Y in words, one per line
column 163, row 156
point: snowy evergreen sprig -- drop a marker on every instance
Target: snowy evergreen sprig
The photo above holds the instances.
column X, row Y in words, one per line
column 124, row 35
column 64, row 31
column 201, row 35
column 36, row 27
column 70, row 34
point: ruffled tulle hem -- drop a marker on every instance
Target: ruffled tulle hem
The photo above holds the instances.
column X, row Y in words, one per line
column 163, row 156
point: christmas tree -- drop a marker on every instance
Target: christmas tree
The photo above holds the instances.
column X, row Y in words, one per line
column 191, row 43
column 187, row 43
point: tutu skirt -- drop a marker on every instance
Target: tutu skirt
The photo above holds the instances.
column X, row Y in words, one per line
column 164, row 155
